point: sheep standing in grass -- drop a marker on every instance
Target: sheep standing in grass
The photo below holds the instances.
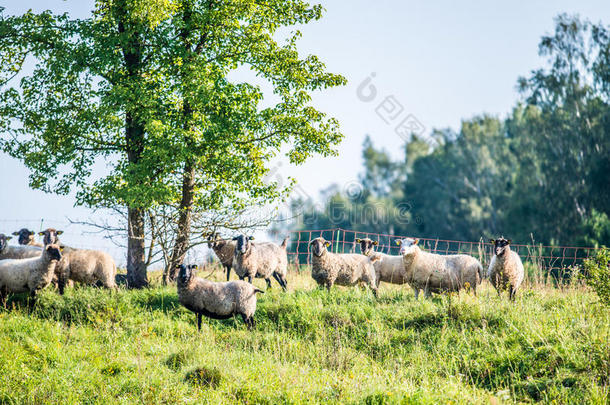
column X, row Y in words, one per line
column 389, row 269
column 16, row 252
column 32, row 274
column 81, row 265
column 260, row 260
column 224, row 249
column 26, row 237
column 438, row 273
column 216, row 300
column 346, row 269
column 505, row 271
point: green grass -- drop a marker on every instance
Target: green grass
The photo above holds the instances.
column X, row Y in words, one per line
column 93, row 346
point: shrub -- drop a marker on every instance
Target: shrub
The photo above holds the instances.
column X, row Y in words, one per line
column 597, row 272
column 204, row 377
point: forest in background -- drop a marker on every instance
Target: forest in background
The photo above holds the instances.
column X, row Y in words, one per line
column 539, row 175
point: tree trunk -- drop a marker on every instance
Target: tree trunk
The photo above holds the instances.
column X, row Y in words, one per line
column 184, row 220
column 136, row 249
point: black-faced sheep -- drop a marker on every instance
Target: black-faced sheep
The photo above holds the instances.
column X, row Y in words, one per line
column 260, row 260
column 389, row 269
column 346, row 269
column 438, row 273
column 26, row 237
column 224, row 249
column 81, row 265
column 16, row 252
column 216, row 300
column 505, row 270
column 32, row 274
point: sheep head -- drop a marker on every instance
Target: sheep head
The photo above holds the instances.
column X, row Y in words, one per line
column 319, row 245
column 53, row 252
column 4, row 241
column 25, row 236
column 243, row 244
column 367, row 246
column 50, row 236
column 408, row 246
column 501, row 246
column 213, row 239
column 185, row 273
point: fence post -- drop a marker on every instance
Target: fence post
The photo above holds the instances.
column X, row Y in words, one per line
column 337, row 240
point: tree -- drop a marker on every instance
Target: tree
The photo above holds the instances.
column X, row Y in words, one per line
column 145, row 85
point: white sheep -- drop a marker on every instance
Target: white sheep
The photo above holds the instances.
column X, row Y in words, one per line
column 389, row 269
column 81, row 265
column 224, row 249
column 216, row 300
column 16, row 252
column 260, row 260
column 505, row 270
column 26, row 238
column 32, row 274
column 438, row 273
column 346, row 269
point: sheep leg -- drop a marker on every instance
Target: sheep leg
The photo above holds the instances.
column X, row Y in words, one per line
column 512, row 293
column 3, row 295
column 228, row 272
column 416, row 292
column 280, row 281
column 61, row 284
column 268, row 283
column 427, row 293
column 198, row 321
column 249, row 321
column 32, row 300
column 250, row 279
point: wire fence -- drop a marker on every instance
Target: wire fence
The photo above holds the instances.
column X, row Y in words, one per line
column 556, row 261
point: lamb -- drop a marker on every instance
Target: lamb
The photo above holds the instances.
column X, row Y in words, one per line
column 260, row 260
column 506, row 269
column 16, row 252
column 438, row 273
column 32, row 274
column 26, row 238
column 216, row 300
column 344, row 269
column 390, row 269
column 224, row 249
column 81, row 265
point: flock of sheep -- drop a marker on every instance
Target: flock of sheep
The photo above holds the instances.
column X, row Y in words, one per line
column 30, row 267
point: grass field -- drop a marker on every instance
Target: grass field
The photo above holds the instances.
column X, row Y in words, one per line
column 91, row 346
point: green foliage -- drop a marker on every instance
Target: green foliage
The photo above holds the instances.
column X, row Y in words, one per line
column 309, row 346
column 597, row 273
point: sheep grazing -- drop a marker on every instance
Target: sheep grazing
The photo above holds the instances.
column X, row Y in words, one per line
column 506, row 269
column 32, row 274
column 216, row 300
column 26, row 237
column 438, row 273
column 346, row 269
column 389, row 269
column 224, row 249
column 260, row 260
column 81, row 265
column 16, row 252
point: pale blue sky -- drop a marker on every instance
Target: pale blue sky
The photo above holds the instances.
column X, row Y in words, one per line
column 442, row 61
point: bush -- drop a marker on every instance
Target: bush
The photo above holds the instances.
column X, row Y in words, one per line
column 597, row 272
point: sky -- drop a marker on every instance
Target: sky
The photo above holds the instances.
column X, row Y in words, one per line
column 409, row 64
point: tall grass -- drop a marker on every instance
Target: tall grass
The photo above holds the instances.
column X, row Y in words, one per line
column 93, row 346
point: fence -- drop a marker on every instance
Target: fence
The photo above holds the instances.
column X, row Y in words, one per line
column 556, row 261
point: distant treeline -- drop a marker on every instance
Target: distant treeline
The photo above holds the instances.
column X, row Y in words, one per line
column 542, row 173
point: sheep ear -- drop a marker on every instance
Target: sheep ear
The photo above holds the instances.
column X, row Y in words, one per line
column 492, row 241
column 327, row 243
column 509, row 241
column 358, row 240
column 41, row 233
column 59, row 232
column 375, row 243
column 194, row 266
column 235, row 238
column 61, row 248
column 15, row 233
column 8, row 238
column 416, row 241
column 398, row 242
column 251, row 237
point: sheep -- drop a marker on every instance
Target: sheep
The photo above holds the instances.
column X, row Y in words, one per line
column 344, row 269
column 26, row 237
column 32, row 274
column 389, row 269
column 216, row 300
column 505, row 269
column 81, row 265
column 224, row 249
column 260, row 260
column 437, row 273
column 16, row 252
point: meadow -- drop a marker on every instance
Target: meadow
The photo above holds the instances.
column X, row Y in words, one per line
column 309, row 346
